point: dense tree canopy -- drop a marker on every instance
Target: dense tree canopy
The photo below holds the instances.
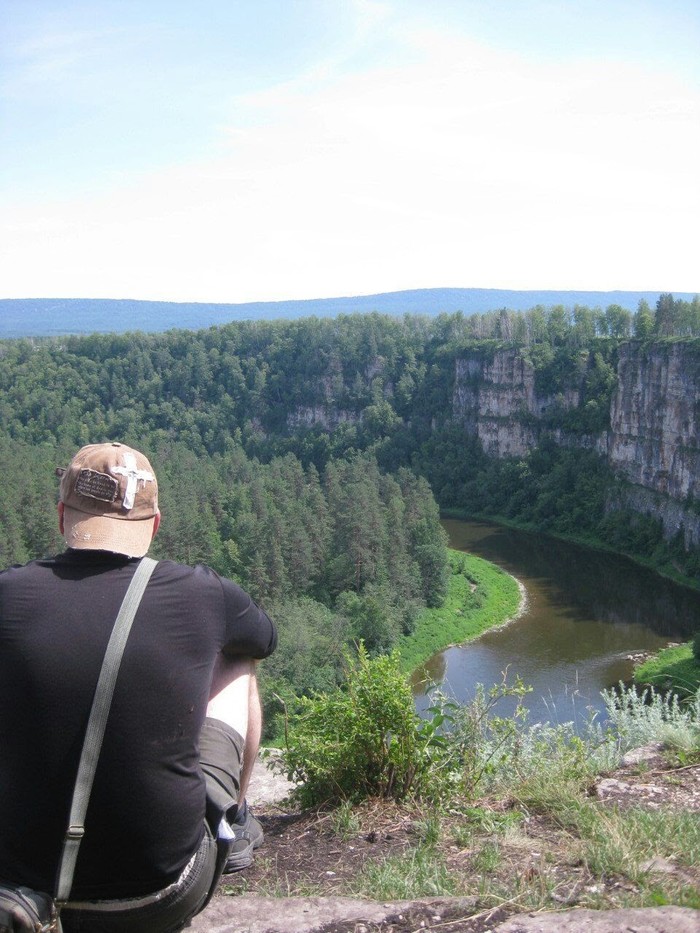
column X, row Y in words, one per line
column 346, row 555
column 356, row 379
column 296, row 455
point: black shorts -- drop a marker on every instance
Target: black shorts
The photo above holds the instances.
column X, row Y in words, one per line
column 171, row 909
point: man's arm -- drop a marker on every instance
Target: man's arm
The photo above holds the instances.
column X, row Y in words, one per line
column 250, row 633
column 234, row 699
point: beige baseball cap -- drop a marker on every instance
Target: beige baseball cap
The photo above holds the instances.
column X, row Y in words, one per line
column 110, row 498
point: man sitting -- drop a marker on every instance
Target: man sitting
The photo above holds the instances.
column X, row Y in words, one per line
column 184, row 724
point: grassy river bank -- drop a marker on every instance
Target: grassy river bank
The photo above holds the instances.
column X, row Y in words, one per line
column 675, row 668
column 480, row 596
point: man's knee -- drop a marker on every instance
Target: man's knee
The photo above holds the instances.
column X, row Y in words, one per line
column 221, row 759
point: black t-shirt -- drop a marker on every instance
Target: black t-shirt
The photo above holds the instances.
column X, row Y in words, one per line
column 146, row 811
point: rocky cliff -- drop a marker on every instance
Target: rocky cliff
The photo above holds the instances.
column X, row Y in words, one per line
column 654, row 419
column 496, row 399
column 652, row 442
column 637, row 404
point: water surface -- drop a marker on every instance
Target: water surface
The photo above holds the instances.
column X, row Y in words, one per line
column 588, row 615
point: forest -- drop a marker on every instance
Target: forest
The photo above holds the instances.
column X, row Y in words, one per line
column 309, row 459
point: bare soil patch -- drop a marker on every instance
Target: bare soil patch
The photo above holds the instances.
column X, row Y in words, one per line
column 305, row 853
column 652, row 784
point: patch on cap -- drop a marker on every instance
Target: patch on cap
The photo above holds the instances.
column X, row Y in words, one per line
column 97, row 485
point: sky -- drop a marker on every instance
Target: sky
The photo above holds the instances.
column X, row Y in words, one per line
column 260, row 150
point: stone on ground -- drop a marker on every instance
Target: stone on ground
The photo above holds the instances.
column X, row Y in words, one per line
column 633, row 920
column 251, row 914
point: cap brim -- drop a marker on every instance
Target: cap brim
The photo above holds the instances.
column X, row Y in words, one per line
column 98, row 533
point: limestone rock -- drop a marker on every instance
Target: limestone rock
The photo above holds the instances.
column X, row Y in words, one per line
column 319, row 914
column 252, row 914
column 649, row 755
column 634, row 920
column 654, row 422
column 286, row 914
column 267, row 784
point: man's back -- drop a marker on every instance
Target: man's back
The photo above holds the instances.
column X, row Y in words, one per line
column 147, row 806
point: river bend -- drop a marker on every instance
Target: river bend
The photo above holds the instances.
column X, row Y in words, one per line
column 588, row 615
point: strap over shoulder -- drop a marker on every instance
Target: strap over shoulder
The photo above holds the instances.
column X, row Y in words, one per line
column 97, row 722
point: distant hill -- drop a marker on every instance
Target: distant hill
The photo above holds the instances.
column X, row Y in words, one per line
column 34, row 317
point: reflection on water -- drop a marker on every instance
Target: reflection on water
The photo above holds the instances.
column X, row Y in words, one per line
column 587, row 614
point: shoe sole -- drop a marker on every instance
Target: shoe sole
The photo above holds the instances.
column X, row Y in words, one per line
column 239, row 861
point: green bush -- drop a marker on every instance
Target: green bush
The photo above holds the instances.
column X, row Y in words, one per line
column 363, row 739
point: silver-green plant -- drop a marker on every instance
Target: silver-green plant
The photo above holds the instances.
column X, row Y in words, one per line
column 641, row 717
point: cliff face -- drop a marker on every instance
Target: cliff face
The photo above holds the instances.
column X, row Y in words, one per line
column 653, row 441
column 326, row 416
column 489, row 399
column 654, row 419
column 496, row 399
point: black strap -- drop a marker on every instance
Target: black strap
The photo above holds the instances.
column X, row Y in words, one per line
column 96, row 726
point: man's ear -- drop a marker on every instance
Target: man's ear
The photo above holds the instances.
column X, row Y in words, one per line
column 60, row 508
column 156, row 524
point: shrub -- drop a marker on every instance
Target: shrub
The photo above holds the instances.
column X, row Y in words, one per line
column 362, row 739
column 365, row 739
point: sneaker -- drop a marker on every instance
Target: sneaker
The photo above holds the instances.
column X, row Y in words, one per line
column 241, row 854
column 247, row 835
column 246, row 821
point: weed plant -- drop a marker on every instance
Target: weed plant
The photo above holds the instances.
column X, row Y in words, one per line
column 419, row 873
column 344, row 821
column 650, row 716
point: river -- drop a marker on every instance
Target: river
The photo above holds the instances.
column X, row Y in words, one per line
column 587, row 615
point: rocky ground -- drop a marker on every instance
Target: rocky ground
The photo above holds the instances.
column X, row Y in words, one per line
column 310, row 862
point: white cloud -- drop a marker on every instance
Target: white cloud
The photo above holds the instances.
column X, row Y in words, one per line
column 464, row 166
